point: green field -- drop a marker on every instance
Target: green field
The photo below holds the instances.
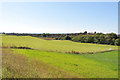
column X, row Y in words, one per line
column 79, row 65
column 54, row 45
column 49, row 59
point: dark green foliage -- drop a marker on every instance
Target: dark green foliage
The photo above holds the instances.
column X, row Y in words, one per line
column 88, row 39
column 85, row 32
column 76, row 39
column 59, row 38
column 94, row 32
column 56, row 38
column 98, row 38
column 67, row 38
column 117, row 42
column 85, row 37
column 63, row 38
column 45, row 35
column 101, row 39
column 112, row 35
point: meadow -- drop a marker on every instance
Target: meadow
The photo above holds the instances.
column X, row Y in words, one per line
column 53, row 59
column 54, row 45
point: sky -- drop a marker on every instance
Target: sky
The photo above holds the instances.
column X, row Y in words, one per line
column 59, row 17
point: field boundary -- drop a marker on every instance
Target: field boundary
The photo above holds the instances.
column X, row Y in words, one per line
column 69, row 52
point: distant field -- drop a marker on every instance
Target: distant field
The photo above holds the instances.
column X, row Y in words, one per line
column 54, row 45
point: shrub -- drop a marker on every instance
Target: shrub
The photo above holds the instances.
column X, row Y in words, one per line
column 67, row 38
column 117, row 42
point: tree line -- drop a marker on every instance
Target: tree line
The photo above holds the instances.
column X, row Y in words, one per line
column 98, row 38
column 110, row 38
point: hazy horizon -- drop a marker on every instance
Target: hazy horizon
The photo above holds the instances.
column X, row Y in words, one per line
column 54, row 33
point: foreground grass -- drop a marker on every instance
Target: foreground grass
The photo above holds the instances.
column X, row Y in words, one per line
column 19, row 66
column 53, row 45
column 101, row 65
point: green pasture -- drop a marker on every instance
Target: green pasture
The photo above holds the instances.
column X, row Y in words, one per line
column 54, row 45
column 100, row 65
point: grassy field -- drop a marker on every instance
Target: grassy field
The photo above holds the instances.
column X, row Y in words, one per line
column 46, row 61
column 19, row 66
column 65, row 65
column 54, row 45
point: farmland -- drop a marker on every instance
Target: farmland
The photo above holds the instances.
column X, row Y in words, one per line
column 53, row 58
column 54, row 45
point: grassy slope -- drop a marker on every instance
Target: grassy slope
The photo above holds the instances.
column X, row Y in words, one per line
column 19, row 66
column 92, row 65
column 54, row 45
column 88, row 66
column 106, row 58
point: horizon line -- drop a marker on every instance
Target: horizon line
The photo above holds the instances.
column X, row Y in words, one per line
column 57, row 33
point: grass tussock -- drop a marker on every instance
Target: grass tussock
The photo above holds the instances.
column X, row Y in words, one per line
column 77, row 52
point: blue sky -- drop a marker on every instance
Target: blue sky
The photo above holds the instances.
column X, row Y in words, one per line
column 59, row 17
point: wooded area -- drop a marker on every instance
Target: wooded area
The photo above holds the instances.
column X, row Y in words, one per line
column 98, row 38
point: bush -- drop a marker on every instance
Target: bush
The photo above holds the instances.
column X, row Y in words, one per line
column 117, row 42
column 98, row 39
column 67, row 38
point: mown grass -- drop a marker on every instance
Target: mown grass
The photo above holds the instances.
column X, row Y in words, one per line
column 106, row 58
column 54, row 45
column 101, row 65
